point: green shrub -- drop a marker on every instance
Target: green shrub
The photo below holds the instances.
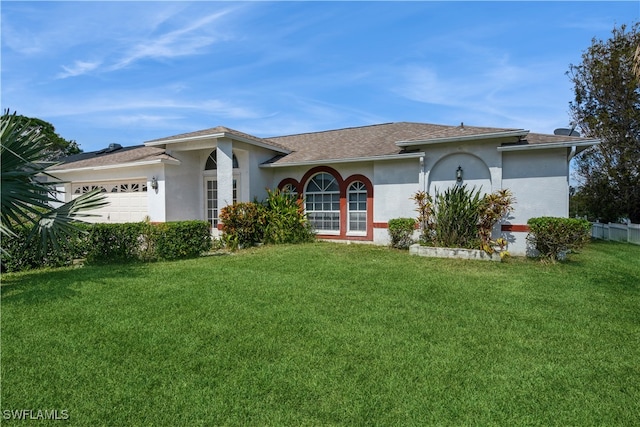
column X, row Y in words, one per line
column 111, row 243
column 280, row 218
column 553, row 237
column 242, row 224
column 114, row 242
column 181, row 239
column 285, row 219
column 401, row 232
column 23, row 253
column 456, row 217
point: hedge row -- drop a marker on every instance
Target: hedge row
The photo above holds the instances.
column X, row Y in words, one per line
column 111, row 243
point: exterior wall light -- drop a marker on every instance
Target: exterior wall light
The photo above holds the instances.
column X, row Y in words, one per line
column 154, row 183
column 459, row 175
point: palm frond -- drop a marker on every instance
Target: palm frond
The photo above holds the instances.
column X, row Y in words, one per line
column 60, row 222
column 29, row 191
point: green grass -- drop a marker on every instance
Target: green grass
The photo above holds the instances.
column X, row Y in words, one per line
column 326, row 334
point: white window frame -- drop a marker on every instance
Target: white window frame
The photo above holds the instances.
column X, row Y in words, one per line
column 359, row 192
column 323, row 203
column 214, row 220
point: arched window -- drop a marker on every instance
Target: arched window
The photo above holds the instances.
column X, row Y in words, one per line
column 357, row 206
column 289, row 189
column 212, row 161
column 323, row 203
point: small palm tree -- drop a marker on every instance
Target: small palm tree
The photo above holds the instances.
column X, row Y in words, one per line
column 27, row 197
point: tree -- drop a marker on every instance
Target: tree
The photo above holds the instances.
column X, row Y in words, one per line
column 26, row 198
column 57, row 146
column 636, row 62
column 607, row 107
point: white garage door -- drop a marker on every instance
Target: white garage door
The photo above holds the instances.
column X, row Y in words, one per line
column 127, row 200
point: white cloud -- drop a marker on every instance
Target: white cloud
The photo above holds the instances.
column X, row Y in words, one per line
column 499, row 93
column 188, row 40
column 145, row 105
column 169, row 33
column 78, row 68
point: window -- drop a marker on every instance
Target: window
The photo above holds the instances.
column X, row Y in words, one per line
column 138, row 186
column 357, row 205
column 323, row 203
column 212, row 161
column 212, row 200
column 289, row 189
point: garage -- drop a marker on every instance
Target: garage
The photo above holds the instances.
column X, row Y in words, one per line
column 127, row 200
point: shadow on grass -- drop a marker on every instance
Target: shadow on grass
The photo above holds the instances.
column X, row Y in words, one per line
column 38, row 286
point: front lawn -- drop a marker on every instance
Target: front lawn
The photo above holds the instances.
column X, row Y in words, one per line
column 327, row 334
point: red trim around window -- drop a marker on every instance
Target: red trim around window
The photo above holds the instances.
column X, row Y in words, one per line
column 319, row 169
column 295, row 184
column 344, row 196
column 343, row 185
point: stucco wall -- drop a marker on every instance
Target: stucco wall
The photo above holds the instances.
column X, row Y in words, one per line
column 183, row 185
column 255, row 180
column 539, row 182
column 395, row 182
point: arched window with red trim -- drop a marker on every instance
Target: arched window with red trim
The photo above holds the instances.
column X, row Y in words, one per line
column 357, row 208
column 322, row 196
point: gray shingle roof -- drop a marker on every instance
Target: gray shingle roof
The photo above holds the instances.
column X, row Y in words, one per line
column 214, row 131
column 340, row 144
column 135, row 154
column 367, row 141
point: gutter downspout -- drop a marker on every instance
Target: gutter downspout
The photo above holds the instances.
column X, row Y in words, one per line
column 422, row 172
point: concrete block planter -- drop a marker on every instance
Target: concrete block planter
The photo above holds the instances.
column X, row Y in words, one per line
column 429, row 251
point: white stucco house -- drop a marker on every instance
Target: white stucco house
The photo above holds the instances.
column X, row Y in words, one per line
column 354, row 180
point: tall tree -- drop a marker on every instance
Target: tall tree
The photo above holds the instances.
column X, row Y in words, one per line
column 27, row 198
column 57, row 146
column 607, row 107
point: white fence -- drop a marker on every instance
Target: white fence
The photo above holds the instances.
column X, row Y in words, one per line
column 618, row 232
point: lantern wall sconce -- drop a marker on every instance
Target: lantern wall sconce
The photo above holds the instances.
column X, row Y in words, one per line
column 154, row 184
column 459, row 175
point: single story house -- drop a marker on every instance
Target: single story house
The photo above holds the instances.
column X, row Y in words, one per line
column 354, row 180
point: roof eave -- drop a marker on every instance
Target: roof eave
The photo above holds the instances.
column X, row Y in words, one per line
column 157, row 143
column 465, row 138
column 345, row 160
column 550, row 145
column 116, row 166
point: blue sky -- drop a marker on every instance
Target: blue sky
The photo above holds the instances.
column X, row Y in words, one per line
column 128, row 72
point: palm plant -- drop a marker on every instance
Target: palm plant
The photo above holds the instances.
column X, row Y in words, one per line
column 27, row 197
column 456, row 217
